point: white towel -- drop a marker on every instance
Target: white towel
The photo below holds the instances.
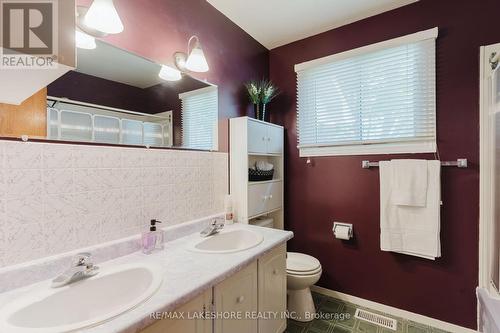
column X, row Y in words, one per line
column 408, row 229
column 409, row 182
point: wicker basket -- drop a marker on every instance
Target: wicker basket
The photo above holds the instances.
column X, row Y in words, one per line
column 259, row 175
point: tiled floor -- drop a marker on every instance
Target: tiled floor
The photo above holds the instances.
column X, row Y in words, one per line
column 344, row 321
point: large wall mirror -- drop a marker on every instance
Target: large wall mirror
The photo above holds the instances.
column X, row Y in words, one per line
column 117, row 97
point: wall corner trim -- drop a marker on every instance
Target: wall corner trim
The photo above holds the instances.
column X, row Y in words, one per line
column 393, row 311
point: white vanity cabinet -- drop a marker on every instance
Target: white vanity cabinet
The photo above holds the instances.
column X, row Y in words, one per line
column 186, row 318
column 272, row 290
column 237, row 295
column 250, row 301
column 252, row 141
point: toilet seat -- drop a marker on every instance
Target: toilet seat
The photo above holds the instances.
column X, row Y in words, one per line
column 301, row 264
column 308, row 273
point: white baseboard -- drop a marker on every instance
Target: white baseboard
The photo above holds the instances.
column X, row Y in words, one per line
column 393, row 311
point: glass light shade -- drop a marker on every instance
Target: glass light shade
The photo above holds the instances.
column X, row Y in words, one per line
column 102, row 16
column 196, row 62
column 168, row 73
column 84, row 41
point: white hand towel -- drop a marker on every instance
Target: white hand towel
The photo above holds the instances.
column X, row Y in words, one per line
column 409, row 182
column 408, row 229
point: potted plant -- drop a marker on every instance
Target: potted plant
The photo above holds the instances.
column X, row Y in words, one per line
column 260, row 94
column 268, row 92
column 253, row 90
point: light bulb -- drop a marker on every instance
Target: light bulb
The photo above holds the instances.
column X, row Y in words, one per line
column 168, row 73
column 84, row 41
column 102, row 16
column 196, row 62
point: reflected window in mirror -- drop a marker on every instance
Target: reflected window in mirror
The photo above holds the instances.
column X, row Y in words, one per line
column 199, row 118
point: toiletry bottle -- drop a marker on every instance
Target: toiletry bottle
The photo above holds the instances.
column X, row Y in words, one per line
column 228, row 209
column 153, row 239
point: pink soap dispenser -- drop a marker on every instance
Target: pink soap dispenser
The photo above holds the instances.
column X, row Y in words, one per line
column 152, row 240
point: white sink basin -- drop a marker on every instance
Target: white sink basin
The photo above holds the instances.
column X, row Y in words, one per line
column 228, row 241
column 81, row 304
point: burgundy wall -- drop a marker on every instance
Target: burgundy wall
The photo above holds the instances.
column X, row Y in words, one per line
column 155, row 29
column 337, row 189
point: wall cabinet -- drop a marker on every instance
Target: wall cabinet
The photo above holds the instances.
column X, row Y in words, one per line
column 240, row 302
column 264, row 198
column 252, row 141
column 264, row 138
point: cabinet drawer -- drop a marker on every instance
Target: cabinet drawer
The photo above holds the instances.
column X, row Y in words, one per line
column 264, row 197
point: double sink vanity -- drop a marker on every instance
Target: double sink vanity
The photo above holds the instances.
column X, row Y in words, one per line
column 220, row 283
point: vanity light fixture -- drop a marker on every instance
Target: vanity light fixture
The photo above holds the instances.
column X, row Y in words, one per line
column 168, row 73
column 194, row 60
column 84, row 41
column 102, row 16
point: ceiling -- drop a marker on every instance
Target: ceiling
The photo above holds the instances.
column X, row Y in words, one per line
column 278, row 22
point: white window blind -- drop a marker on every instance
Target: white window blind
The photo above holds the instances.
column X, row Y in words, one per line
column 376, row 99
column 199, row 118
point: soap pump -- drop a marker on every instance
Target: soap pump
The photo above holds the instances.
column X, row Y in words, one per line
column 153, row 239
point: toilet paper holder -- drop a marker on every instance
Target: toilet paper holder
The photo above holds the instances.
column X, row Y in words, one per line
column 338, row 224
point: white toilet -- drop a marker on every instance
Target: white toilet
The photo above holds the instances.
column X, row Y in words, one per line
column 302, row 271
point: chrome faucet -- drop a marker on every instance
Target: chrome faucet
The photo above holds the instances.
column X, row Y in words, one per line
column 214, row 227
column 81, row 268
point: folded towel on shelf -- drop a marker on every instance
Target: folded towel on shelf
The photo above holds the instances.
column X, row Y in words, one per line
column 409, row 182
column 406, row 229
column 264, row 166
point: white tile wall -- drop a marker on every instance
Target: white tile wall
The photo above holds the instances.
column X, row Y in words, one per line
column 56, row 198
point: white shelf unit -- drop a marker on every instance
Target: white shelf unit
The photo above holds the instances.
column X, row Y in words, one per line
column 252, row 140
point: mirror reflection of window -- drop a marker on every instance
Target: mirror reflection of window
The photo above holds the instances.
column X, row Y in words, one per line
column 199, row 118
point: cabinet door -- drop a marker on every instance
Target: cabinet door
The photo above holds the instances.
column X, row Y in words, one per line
column 272, row 290
column 257, row 137
column 186, row 319
column 264, row 197
column 274, row 140
column 236, row 297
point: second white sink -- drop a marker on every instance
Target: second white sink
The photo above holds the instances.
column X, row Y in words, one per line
column 228, row 241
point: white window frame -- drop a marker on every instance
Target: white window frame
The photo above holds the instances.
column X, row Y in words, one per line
column 487, row 172
column 388, row 147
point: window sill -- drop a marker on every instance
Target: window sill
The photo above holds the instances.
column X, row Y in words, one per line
column 370, row 149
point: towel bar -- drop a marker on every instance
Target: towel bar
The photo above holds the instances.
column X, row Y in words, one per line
column 460, row 163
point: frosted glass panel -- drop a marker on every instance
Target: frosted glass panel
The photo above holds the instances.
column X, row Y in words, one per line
column 53, row 128
column 153, row 134
column 76, row 126
column 131, row 132
column 106, row 129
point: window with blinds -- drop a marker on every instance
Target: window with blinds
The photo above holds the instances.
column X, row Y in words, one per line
column 375, row 99
column 199, row 118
